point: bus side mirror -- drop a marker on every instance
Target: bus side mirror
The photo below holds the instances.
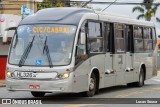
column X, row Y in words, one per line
column 83, row 38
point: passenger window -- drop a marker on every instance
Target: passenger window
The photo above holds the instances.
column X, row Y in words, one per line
column 147, row 39
column 147, row 33
column 138, row 40
column 129, row 37
column 94, row 30
column 153, row 38
column 137, row 32
column 95, row 39
column 119, row 38
column 107, row 36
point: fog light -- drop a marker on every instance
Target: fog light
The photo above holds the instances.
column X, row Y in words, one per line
column 9, row 74
column 66, row 75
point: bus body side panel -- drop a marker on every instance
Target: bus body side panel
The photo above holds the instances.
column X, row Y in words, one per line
column 149, row 64
column 81, row 75
column 155, row 68
column 99, row 62
column 147, row 60
column 84, row 70
column 136, row 64
column 119, row 67
column 109, row 78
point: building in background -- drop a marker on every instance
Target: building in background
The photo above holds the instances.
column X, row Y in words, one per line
column 14, row 6
column 10, row 16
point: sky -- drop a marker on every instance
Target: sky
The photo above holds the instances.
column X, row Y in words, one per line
column 124, row 10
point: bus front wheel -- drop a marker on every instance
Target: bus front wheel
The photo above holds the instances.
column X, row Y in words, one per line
column 38, row 94
column 92, row 86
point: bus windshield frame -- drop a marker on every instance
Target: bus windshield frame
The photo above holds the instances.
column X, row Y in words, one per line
column 57, row 49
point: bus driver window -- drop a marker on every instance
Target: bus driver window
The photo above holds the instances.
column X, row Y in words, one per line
column 81, row 50
column 81, row 53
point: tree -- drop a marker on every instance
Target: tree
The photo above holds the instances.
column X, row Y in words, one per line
column 49, row 4
column 81, row 4
column 146, row 11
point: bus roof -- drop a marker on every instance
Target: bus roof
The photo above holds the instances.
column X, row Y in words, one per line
column 64, row 15
column 73, row 15
column 123, row 19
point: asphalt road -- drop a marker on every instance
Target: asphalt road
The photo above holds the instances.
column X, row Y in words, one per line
column 112, row 94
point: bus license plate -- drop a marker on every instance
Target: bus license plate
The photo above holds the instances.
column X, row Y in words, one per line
column 26, row 75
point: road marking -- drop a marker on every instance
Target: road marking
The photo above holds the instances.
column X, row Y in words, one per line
column 157, row 88
column 89, row 105
column 148, row 90
column 137, row 92
column 123, row 95
column 129, row 94
column 81, row 105
column 71, row 106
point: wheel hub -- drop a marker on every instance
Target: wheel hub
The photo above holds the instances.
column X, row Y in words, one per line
column 92, row 84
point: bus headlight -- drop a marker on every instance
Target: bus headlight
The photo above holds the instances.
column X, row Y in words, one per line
column 63, row 76
column 9, row 74
column 66, row 75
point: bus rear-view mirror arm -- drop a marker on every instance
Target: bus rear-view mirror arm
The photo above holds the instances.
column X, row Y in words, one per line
column 10, row 28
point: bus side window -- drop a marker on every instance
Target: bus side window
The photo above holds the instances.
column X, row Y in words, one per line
column 153, row 33
column 138, row 40
column 128, row 38
column 119, row 38
column 107, row 36
column 94, row 39
column 147, row 39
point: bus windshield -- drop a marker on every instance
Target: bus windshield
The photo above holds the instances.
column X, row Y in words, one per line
column 42, row 45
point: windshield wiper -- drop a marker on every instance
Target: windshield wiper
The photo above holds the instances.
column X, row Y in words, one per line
column 26, row 52
column 48, row 53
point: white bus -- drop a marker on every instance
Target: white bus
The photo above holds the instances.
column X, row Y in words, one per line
column 76, row 50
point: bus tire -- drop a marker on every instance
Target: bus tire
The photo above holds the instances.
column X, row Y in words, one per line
column 140, row 83
column 38, row 94
column 92, row 86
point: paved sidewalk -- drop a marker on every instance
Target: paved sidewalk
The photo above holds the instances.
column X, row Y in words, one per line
column 2, row 83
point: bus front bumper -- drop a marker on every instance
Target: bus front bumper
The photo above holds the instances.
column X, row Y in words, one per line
column 64, row 85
